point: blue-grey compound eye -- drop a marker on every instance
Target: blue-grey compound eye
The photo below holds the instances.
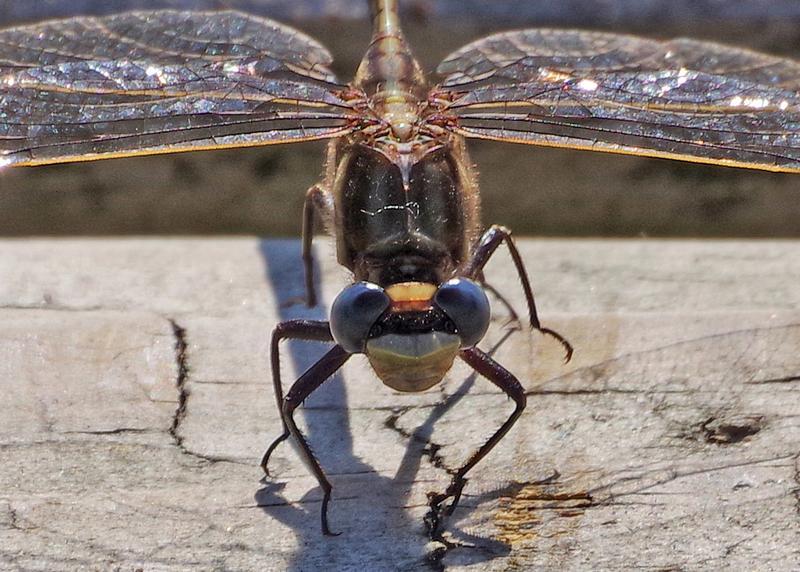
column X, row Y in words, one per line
column 466, row 304
column 354, row 312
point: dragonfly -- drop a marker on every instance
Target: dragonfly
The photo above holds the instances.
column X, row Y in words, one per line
column 400, row 194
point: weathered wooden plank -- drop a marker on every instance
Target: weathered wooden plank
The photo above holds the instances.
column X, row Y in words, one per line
column 136, row 403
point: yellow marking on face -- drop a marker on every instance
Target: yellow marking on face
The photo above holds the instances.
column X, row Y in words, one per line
column 411, row 292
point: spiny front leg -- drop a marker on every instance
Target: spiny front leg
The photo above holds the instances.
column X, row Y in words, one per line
column 302, row 388
column 311, row 330
column 502, row 378
column 483, row 251
column 306, row 384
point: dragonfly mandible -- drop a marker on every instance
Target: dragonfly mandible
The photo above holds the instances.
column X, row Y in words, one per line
column 400, row 194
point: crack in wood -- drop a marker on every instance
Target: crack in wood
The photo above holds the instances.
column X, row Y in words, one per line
column 796, row 490
column 429, row 449
column 14, row 520
column 181, row 361
column 672, row 474
column 777, row 380
column 49, row 307
column 440, row 545
column 181, row 382
column 117, row 431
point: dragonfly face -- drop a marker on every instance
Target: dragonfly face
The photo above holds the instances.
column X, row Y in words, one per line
column 411, row 332
column 399, row 194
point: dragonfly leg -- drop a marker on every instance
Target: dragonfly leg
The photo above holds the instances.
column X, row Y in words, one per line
column 502, row 378
column 305, row 385
column 300, row 390
column 311, row 330
column 320, row 202
column 483, row 251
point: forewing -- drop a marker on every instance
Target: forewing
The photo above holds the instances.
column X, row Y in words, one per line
column 159, row 82
column 682, row 99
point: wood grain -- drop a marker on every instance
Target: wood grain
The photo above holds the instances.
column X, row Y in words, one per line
column 136, row 403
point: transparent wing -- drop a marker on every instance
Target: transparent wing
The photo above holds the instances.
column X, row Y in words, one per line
column 158, row 82
column 683, row 99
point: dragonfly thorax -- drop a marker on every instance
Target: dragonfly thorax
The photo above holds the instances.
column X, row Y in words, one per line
column 402, row 215
column 400, row 113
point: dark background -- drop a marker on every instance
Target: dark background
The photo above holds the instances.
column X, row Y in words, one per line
column 535, row 191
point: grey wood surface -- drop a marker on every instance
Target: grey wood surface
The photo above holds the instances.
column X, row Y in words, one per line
column 136, row 402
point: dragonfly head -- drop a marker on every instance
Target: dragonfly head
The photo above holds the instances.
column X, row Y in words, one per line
column 410, row 332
